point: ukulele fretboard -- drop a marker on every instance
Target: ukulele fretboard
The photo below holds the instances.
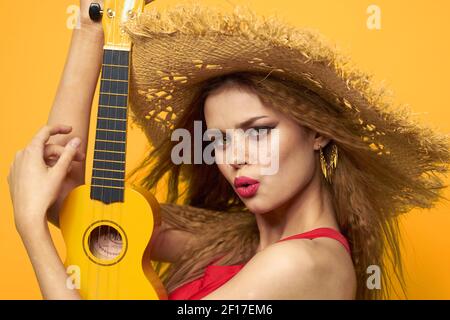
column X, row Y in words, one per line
column 108, row 173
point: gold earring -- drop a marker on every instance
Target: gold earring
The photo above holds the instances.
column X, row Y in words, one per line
column 328, row 169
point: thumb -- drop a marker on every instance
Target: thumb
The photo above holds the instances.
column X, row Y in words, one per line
column 63, row 165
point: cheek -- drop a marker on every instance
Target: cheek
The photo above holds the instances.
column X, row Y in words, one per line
column 296, row 158
column 224, row 170
column 296, row 169
column 296, row 164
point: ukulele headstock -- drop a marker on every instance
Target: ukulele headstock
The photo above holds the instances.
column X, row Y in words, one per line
column 114, row 13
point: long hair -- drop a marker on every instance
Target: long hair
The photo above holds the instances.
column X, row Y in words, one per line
column 369, row 189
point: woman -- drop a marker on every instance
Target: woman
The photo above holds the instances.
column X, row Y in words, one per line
column 347, row 163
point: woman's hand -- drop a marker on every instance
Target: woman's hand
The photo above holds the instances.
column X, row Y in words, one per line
column 35, row 176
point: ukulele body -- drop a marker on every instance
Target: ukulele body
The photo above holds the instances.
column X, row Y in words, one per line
column 129, row 274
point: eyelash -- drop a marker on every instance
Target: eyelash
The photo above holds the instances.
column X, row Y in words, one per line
column 257, row 128
column 269, row 128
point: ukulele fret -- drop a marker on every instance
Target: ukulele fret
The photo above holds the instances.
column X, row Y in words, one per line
column 112, row 124
column 115, row 80
column 110, row 146
column 105, row 187
column 109, row 170
column 100, row 140
column 106, row 178
column 113, row 87
column 108, row 165
column 117, row 136
column 104, row 118
column 109, row 151
column 114, row 65
column 115, row 94
column 107, row 182
column 113, row 100
column 117, row 107
column 111, row 130
column 107, row 160
column 98, row 173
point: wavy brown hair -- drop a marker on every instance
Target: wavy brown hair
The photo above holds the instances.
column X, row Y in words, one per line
column 368, row 191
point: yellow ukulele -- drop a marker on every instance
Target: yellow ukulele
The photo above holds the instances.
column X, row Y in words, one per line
column 107, row 227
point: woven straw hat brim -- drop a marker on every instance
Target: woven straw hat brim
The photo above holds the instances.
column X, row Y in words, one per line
column 176, row 50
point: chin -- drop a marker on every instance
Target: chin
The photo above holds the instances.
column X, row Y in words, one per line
column 256, row 205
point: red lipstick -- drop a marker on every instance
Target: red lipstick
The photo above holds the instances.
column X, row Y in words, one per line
column 246, row 187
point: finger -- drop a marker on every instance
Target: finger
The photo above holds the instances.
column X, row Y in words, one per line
column 62, row 165
column 44, row 134
column 50, row 162
column 53, row 151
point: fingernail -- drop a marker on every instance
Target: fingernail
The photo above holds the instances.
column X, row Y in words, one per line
column 75, row 142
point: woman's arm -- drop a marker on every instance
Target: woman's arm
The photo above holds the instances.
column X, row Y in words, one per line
column 48, row 267
column 73, row 100
column 33, row 187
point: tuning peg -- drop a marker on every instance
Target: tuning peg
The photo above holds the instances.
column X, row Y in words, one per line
column 95, row 12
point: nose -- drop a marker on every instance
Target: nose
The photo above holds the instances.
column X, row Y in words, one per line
column 238, row 163
column 238, row 157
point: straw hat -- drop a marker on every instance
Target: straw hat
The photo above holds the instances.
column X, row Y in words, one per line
column 177, row 49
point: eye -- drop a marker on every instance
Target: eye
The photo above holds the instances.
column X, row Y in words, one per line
column 260, row 131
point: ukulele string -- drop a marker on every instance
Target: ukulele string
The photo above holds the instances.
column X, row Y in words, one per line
column 108, row 135
column 113, row 115
column 122, row 143
column 118, row 211
column 115, row 134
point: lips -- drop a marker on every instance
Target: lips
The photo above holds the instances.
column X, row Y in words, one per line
column 246, row 187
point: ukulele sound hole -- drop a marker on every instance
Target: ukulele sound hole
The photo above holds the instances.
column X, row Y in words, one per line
column 105, row 243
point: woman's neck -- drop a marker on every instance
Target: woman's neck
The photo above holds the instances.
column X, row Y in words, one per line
column 311, row 208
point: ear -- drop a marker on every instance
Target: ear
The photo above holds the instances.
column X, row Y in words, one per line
column 320, row 141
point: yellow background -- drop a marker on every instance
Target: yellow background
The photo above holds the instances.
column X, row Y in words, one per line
column 411, row 52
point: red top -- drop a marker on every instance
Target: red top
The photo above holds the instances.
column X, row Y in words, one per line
column 215, row 275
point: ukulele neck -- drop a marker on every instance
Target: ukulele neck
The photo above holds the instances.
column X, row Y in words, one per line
column 108, row 170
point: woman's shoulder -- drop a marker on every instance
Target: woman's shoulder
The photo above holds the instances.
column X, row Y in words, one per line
column 297, row 269
column 322, row 266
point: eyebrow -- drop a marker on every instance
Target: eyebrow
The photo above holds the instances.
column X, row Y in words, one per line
column 247, row 122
